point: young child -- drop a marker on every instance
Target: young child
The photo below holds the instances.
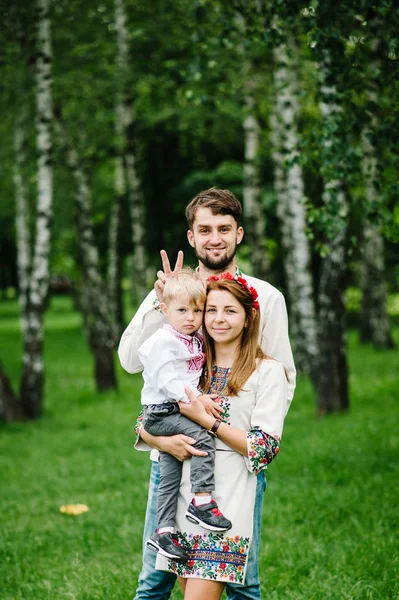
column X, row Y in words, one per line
column 173, row 358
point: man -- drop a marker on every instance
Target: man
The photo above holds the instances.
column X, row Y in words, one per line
column 214, row 232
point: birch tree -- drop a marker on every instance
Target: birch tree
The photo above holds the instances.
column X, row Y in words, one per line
column 34, row 273
column 252, row 189
column 114, row 269
column 114, row 259
column 332, row 386
column 95, row 307
column 374, row 317
column 33, row 255
column 374, row 325
column 126, row 133
column 289, row 187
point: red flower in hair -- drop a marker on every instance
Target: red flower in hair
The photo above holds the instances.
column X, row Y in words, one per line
column 243, row 282
column 226, row 275
column 254, row 295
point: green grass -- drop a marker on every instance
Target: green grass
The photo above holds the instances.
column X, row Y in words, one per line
column 330, row 520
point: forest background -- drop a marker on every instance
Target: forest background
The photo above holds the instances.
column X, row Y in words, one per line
column 114, row 115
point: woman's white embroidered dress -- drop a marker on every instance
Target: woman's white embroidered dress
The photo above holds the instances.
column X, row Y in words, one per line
column 260, row 410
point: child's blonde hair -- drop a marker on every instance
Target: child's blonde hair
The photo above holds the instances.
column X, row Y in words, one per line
column 185, row 283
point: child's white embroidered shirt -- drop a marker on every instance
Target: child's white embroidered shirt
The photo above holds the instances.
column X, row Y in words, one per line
column 171, row 361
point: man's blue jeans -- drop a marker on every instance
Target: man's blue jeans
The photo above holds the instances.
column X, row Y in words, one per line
column 158, row 585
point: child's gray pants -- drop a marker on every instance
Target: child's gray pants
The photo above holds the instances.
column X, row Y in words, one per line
column 166, row 419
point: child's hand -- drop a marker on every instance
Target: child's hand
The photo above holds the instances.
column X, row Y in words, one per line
column 210, row 404
column 196, row 410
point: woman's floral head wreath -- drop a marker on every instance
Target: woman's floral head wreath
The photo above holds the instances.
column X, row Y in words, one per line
column 243, row 282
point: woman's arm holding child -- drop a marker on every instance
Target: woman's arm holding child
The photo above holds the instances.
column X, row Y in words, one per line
column 261, row 443
column 232, row 436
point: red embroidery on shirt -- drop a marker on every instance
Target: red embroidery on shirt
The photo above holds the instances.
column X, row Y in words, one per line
column 194, row 344
column 196, row 363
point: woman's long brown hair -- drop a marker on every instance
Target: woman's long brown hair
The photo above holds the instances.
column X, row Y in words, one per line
column 250, row 351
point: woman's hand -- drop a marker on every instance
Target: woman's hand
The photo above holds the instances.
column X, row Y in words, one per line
column 196, row 410
column 180, row 446
column 211, row 405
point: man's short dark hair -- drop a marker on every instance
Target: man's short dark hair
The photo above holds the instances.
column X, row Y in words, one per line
column 220, row 202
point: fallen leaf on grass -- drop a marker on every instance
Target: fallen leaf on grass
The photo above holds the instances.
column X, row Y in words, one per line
column 74, row 509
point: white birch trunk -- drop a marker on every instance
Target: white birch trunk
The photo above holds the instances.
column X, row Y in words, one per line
column 332, row 392
column 126, row 127
column 374, row 317
column 98, row 324
column 114, row 271
column 374, row 325
column 114, row 265
column 255, row 223
column 24, row 254
column 290, row 193
column 252, row 193
column 33, row 375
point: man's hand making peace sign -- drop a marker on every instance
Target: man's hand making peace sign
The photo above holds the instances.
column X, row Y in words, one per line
column 167, row 272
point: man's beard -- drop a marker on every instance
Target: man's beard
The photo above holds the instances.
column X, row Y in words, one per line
column 217, row 264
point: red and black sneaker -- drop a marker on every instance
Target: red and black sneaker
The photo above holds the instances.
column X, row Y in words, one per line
column 168, row 545
column 207, row 516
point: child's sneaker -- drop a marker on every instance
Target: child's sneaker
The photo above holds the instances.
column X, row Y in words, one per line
column 207, row 516
column 167, row 544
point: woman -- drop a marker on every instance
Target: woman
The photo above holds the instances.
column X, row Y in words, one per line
column 252, row 389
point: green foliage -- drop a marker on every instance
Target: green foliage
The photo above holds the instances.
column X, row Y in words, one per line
column 330, row 510
column 189, row 71
column 353, row 299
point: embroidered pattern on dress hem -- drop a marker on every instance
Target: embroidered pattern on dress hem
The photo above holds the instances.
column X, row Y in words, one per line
column 226, row 557
column 212, row 556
